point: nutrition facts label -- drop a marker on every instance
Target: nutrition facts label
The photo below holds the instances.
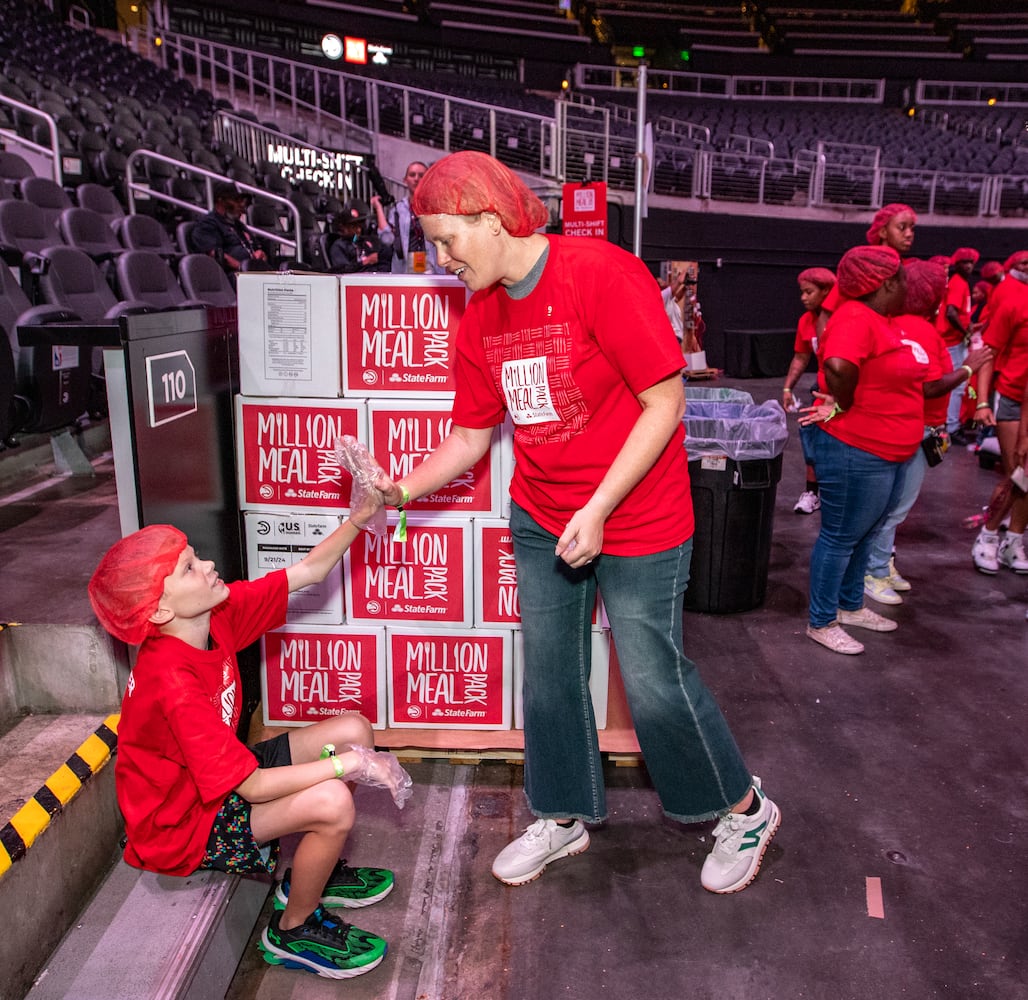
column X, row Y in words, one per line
column 287, row 332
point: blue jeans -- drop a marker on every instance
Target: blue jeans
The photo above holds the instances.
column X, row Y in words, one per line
column 690, row 753
column 957, row 354
column 914, row 470
column 857, row 491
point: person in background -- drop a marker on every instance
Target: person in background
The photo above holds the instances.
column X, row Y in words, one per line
column 569, row 338
column 999, row 406
column 815, row 284
column 403, row 232
column 222, row 233
column 193, row 795
column 355, row 249
column 925, row 289
column 954, row 326
column 868, row 423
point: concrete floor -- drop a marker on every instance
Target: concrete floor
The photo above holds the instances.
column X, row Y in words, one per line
column 905, row 765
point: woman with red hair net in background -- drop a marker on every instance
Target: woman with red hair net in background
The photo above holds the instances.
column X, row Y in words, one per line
column 569, row 337
column 868, row 426
column 925, row 288
column 815, row 283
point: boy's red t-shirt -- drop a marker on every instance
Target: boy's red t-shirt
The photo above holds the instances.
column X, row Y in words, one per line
column 567, row 362
column 1007, row 335
column 887, row 415
column 958, row 294
column 178, row 753
column 919, row 330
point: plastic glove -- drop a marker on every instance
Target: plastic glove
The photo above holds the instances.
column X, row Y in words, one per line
column 364, row 497
column 380, row 769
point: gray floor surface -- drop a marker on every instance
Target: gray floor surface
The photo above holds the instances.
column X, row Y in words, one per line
column 904, row 765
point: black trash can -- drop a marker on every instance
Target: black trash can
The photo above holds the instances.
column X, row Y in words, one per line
column 735, row 464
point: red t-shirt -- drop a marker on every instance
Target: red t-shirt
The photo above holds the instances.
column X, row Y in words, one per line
column 178, row 753
column 887, row 415
column 958, row 294
column 1007, row 335
column 920, row 331
column 806, row 334
column 567, row 362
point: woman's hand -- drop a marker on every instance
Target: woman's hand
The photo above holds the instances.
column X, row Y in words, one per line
column 984, row 416
column 978, row 357
column 582, row 540
column 819, row 412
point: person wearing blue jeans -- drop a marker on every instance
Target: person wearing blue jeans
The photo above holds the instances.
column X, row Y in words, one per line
column 569, row 338
column 869, row 422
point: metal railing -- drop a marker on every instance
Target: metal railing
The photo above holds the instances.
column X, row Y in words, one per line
column 51, row 155
column 138, row 187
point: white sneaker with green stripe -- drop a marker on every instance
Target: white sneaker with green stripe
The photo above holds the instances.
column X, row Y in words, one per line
column 739, row 845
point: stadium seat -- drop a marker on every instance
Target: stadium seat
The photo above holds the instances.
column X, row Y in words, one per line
column 203, row 278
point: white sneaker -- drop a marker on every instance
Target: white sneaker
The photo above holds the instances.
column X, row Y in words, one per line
column 807, row 503
column 985, row 552
column 896, row 581
column 544, row 841
column 739, row 845
column 880, row 589
column 836, row 639
column 1012, row 555
column 866, row 618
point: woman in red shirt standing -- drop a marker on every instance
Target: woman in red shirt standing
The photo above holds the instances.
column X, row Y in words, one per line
column 871, row 424
column 569, row 337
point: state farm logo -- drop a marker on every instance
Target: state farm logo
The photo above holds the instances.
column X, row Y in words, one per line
column 267, row 492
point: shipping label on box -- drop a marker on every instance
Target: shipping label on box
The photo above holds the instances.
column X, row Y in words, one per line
column 403, row 434
column 286, row 456
column 427, row 578
column 599, row 677
column 398, row 334
column 276, row 541
column 449, row 679
column 289, row 334
column 315, row 672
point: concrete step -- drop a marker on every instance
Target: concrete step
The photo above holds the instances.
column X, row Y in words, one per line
column 155, row 937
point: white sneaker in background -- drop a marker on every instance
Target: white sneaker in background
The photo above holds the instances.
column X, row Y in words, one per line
column 807, row 503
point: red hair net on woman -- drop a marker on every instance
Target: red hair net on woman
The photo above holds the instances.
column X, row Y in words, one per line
column 992, row 270
column 127, row 585
column 819, row 276
column 926, row 285
column 883, row 217
column 863, row 270
column 965, row 253
column 469, row 182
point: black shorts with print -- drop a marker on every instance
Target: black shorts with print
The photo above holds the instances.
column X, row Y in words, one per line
column 231, row 846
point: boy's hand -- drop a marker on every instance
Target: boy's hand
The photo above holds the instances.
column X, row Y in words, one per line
column 380, row 769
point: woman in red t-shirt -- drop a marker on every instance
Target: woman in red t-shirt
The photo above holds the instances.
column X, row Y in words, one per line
column 870, row 424
column 925, row 289
column 815, row 283
column 568, row 337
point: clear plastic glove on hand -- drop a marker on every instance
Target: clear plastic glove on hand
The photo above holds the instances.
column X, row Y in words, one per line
column 364, row 498
column 381, row 769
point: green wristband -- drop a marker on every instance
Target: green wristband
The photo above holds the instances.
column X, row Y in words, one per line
column 338, row 765
column 401, row 531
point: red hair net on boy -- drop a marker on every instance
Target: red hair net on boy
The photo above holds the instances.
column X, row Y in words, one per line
column 127, row 585
column 819, row 276
column 965, row 253
column 863, row 270
column 1017, row 259
column 926, row 285
column 992, row 270
column 469, row 182
column 883, row 217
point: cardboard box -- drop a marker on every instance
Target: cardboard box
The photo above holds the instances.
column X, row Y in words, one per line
column 398, row 333
column 425, row 579
column 402, row 434
column 599, row 677
column 286, row 458
column 289, row 334
column 275, row 541
column 440, row 679
column 313, row 673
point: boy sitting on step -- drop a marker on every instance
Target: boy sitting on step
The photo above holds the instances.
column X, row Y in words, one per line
column 193, row 795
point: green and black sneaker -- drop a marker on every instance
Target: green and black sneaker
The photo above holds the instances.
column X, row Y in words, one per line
column 322, row 945
column 346, row 886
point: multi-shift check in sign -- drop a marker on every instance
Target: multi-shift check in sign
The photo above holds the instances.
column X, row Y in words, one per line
column 170, row 387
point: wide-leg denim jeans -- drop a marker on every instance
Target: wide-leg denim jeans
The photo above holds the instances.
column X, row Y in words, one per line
column 690, row 753
column 858, row 490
